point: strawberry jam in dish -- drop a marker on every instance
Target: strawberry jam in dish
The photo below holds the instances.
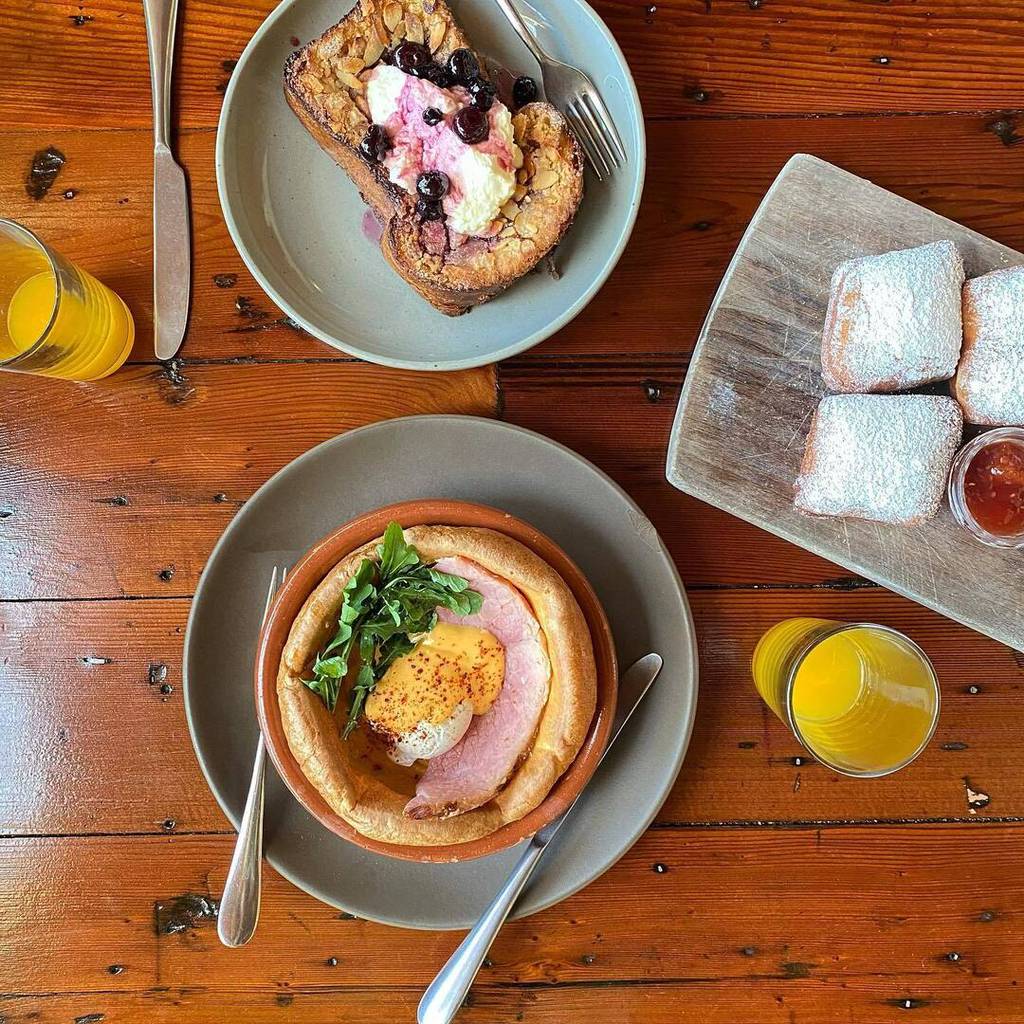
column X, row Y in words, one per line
column 428, row 127
column 987, row 487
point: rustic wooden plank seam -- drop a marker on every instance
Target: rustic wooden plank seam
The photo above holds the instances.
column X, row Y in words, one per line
column 658, row 825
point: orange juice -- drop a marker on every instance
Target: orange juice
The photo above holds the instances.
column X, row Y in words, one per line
column 862, row 698
column 55, row 319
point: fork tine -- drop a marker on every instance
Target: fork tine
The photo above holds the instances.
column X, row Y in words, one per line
column 597, row 105
column 587, row 146
column 593, row 151
column 597, row 131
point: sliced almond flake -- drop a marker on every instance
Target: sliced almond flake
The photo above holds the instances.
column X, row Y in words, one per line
column 392, row 16
column 508, row 231
column 374, row 48
column 522, row 175
column 413, row 28
column 353, row 65
column 438, row 29
column 546, row 157
column 495, row 228
column 544, row 179
column 520, row 193
column 510, row 210
column 355, row 118
column 382, row 33
column 363, row 106
column 517, row 157
column 525, row 226
column 351, row 81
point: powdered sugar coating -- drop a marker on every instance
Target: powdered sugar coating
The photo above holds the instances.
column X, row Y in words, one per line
column 990, row 380
column 879, row 457
column 894, row 321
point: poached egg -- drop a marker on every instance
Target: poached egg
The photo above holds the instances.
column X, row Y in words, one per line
column 426, row 701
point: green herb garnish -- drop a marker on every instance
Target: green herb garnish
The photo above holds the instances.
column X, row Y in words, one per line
column 388, row 606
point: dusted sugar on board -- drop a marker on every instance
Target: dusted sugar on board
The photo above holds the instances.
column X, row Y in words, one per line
column 894, row 321
column 990, row 381
column 880, row 457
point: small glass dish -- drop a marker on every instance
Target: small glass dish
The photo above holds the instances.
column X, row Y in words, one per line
column 958, row 480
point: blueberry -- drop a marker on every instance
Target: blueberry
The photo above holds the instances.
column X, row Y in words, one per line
column 433, row 116
column 412, row 58
column 433, row 185
column 483, row 93
column 524, row 91
column 464, row 66
column 375, row 144
column 438, row 74
column 471, row 125
column 428, row 209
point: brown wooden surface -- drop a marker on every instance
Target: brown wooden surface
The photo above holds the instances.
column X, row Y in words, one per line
column 791, row 894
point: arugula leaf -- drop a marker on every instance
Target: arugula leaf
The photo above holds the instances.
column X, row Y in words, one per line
column 387, row 607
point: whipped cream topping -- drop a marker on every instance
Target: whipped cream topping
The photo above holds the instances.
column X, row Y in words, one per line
column 482, row 176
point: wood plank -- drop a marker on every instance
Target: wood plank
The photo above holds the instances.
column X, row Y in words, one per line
column 163, row 457
column 773, row 1001
column 689, row 58
column 704, row 182
column 729, row 918
column 72, row 671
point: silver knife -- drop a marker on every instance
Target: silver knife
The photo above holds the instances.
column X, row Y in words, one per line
column 171, row 245
column 448, row 990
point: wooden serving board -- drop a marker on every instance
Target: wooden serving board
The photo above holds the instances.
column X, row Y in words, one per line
column 755, row 381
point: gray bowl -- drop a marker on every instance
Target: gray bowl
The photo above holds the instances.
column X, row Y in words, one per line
column 297, row 219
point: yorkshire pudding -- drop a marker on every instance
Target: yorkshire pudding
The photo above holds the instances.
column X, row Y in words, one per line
column 494, row 787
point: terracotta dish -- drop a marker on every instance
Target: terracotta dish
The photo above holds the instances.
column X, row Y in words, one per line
column 350, row 785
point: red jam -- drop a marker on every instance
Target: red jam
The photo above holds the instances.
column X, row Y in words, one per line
column 994, row 488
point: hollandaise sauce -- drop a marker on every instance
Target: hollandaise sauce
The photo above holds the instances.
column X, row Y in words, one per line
column 862, row 698
column 452, row 664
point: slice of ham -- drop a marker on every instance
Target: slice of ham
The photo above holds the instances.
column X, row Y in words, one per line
column 473, row 771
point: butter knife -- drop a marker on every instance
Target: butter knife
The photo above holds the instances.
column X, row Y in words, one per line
column 448, row 990
column 171, row 245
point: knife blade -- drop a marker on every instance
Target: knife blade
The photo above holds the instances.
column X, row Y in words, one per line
column 633, row 684
column 171, row 253
column 172, row 257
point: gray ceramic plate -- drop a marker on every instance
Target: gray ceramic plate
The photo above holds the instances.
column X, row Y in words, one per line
column 443, row 457
column 297, row 219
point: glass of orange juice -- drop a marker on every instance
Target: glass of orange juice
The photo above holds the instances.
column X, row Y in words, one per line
column 862, row 698
column 55, row 319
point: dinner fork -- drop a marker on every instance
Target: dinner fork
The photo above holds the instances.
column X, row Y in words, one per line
column 573, row 92
column 240, row 905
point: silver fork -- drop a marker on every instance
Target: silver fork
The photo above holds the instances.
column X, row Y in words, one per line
column 573, row 92
column 240, row 905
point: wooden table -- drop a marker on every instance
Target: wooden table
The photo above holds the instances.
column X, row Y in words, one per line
column 769, row 889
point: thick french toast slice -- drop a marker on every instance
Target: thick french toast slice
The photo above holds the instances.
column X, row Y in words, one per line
column 325, row 85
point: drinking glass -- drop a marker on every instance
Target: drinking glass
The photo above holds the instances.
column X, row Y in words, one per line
column 862, row 698
column 55, row 319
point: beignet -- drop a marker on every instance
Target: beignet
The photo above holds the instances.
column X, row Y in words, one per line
column 990, row 380
column 894, row 321
column 880, row 457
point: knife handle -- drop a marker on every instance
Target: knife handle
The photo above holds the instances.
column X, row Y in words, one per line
column 443, row 999
column 161, row 19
